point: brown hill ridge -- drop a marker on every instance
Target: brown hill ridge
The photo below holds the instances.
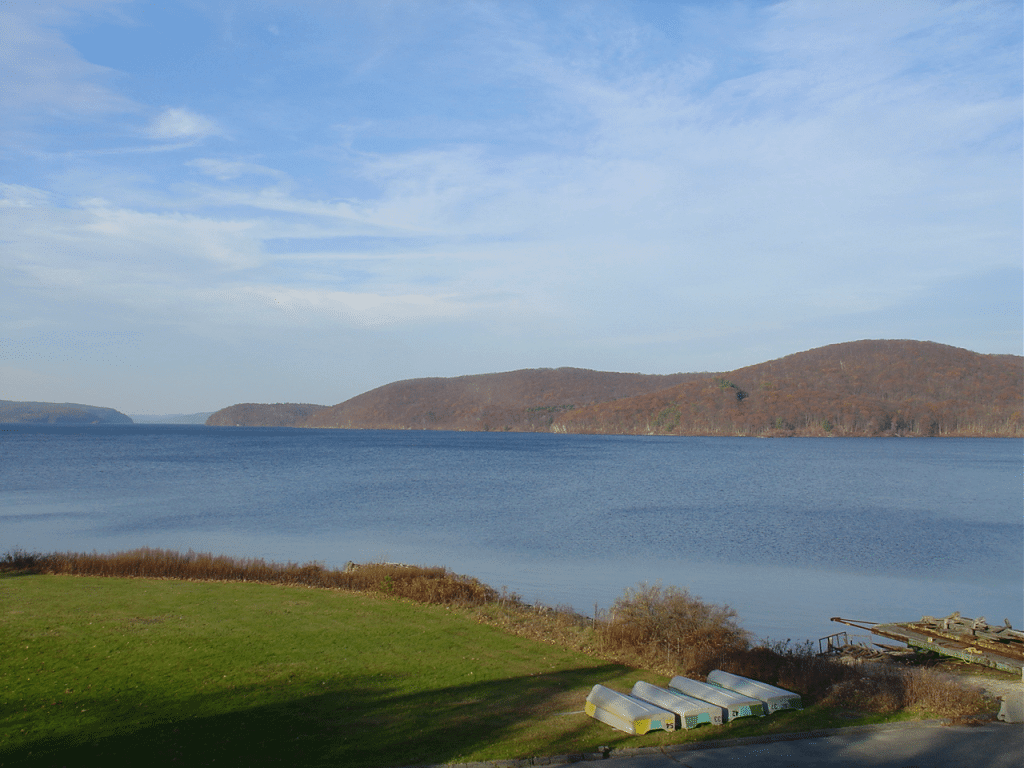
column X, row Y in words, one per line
column 264, row 415
column 857, row 388
column 65, row 414
column 522, row 401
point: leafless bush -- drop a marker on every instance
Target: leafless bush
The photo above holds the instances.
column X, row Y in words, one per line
column 869, row 687
column 930, row 690
column 870, row 691
column 667, row 626
column 19, row 561
column 793, row 667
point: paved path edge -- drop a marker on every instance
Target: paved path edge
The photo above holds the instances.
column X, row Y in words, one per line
column 671, row 749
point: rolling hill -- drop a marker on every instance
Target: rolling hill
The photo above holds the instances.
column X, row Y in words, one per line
column 526, row 400
column 859, row 388
column 16, row 412
column 264, row 415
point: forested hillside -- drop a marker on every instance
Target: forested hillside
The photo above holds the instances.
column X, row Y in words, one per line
column 527, row 400
column 264, row 415
column 857, row 388
column 15, row 412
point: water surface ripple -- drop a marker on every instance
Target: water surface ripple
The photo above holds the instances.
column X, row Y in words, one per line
column 787, row 532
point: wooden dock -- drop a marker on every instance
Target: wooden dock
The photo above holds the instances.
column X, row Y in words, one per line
column 972, row 640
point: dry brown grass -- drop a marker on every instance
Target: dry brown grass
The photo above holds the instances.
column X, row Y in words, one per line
column 865, row 687
column 423, row 584
column 889, row 688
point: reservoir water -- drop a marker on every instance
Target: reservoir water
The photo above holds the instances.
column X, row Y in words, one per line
column 788, row 532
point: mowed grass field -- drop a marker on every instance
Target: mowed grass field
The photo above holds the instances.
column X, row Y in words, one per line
column 118, row 671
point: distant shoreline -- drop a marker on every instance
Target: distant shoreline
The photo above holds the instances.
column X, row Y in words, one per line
column 785, row 436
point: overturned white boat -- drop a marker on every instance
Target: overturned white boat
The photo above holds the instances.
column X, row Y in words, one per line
column 774, row 698
column 690, row 712
column 735, row 704
column 627, row 713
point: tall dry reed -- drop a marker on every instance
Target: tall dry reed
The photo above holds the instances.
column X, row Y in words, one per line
column 423, row 584
column 865, row 687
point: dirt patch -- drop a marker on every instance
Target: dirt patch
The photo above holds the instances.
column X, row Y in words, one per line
column 994, row 686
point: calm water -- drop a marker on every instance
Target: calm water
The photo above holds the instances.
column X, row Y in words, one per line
column 787, row 532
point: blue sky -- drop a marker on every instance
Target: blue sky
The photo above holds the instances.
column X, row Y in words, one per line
column 205, row 203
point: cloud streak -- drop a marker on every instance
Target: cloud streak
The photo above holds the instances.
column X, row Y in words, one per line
column 43, row 76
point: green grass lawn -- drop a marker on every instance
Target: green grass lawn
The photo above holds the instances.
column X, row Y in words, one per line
column 113, row 671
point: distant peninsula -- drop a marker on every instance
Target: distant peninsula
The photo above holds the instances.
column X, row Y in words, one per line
column 264, row 415
column 15, row 412
column 171, row 418
column 854, row 389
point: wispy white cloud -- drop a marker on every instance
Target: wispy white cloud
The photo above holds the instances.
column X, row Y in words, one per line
column 20, row 196
column 226, row 170
column 180, row 123
column 45, row 77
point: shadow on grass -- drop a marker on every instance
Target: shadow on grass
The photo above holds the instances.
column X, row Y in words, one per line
column 11, row 574
column 359, row 723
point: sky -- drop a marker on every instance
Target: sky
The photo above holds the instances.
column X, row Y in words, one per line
column 207, row 203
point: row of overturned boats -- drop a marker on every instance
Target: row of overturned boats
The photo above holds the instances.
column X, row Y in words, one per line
column 687, row 703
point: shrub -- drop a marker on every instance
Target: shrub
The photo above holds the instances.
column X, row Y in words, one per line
column 668, row 625
column 866, row 687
